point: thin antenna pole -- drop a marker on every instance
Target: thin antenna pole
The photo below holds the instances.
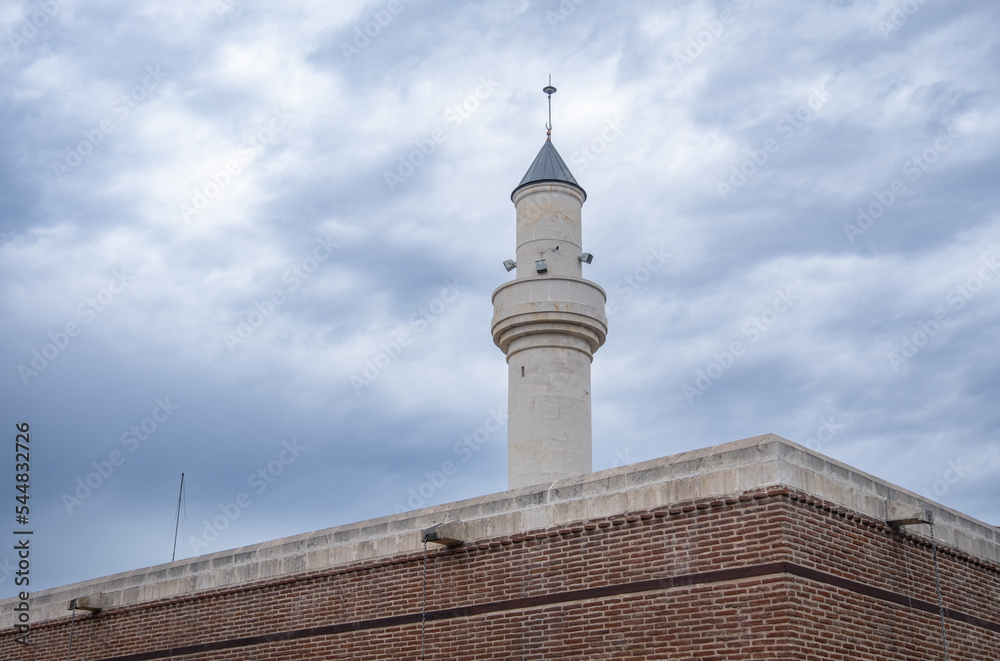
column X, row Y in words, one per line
column 177, row 521
column 548, row 89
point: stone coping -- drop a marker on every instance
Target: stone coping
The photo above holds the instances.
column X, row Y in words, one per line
column 722, row 470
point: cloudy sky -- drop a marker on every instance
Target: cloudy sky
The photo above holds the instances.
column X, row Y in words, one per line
column 218, row 218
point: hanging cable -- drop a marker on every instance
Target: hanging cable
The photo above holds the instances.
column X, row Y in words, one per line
column 937, row 581
column 72, row 621
column 423, row 612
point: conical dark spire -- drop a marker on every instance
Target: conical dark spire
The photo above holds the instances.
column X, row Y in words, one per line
column 548, row 166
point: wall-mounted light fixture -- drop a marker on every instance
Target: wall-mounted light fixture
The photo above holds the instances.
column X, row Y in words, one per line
column 541, row 266
column 509, row 264
column 586, row 257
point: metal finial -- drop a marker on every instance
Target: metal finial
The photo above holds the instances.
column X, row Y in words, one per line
column 548, row 89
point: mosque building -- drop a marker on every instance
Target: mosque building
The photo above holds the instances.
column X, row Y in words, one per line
column 755, row 549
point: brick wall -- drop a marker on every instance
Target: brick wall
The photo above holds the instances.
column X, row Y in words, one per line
column 774, row 574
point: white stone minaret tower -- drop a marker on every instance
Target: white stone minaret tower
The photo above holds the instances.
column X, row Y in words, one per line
column 549, row 321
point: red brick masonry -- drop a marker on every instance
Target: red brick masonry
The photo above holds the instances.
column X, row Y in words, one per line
column 770, row 575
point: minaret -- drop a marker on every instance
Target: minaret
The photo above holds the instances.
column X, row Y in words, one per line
column 549, row 321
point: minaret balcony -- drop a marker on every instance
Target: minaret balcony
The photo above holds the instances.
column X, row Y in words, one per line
column 549, row 307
